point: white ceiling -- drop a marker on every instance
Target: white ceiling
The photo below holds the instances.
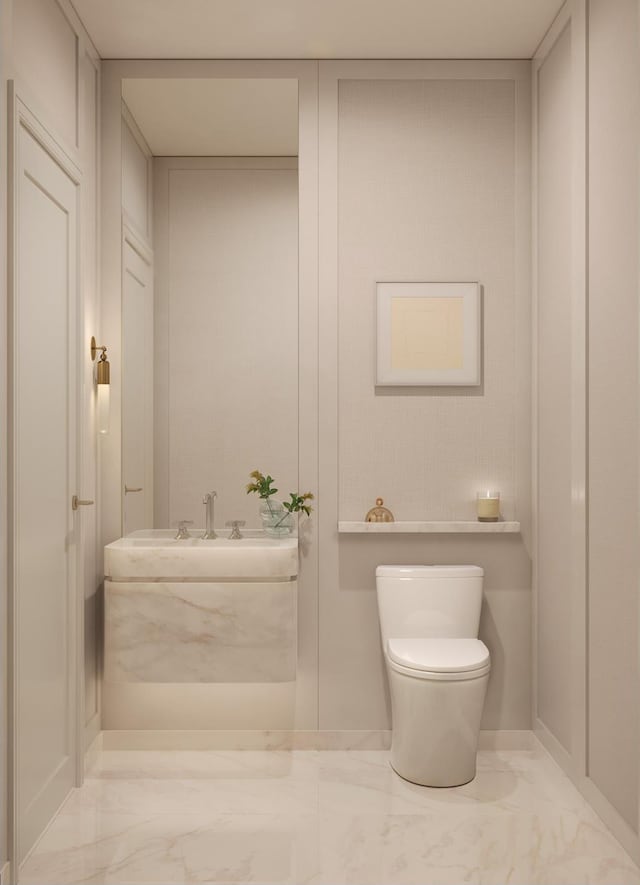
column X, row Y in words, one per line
column 217, row 118
column 317, row 28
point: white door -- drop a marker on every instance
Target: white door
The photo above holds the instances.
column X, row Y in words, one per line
column 137, row 388
column 44, row 477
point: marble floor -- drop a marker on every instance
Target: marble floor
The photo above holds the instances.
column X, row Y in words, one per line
column 323, row 818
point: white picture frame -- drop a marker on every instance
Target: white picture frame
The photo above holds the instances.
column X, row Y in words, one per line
column 428, row 334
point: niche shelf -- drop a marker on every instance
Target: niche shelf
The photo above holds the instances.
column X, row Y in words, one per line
column 451, row 527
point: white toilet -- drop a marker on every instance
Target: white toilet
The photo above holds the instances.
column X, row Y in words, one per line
column 438, row 669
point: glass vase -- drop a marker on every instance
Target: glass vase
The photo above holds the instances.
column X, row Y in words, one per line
column 276, row 521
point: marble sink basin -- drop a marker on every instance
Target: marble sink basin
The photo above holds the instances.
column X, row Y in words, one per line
column 156, row 554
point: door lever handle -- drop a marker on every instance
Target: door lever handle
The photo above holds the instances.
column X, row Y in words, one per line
column 128, row 489
column 78, row 502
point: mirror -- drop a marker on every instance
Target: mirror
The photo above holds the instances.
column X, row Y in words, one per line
column 210, row 329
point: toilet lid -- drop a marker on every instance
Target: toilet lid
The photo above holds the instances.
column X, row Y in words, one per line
column 439, row 655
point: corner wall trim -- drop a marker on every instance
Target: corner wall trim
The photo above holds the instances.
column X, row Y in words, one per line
column 92, row 754
column 5, row 874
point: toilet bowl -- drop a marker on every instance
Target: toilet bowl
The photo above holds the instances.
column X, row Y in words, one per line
column 437, row 667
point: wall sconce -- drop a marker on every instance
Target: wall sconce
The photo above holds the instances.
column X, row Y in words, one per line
column 103, row 383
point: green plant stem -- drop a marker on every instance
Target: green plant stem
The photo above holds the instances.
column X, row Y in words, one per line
column 282, row 518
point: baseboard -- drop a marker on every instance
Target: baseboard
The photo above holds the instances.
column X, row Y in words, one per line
column 5, row 874
column 285, row 740
column 620, row 829
column 246, row 740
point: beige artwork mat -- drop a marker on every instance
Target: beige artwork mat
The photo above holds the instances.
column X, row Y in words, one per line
column 428, row 334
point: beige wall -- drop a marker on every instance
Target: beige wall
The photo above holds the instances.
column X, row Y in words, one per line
column 427, row 185
column 354, row 692
column 614, row 443
column 587, row 561
column 44, row 53
column 226, row 373
column 430, row 177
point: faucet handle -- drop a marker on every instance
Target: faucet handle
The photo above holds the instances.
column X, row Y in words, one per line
column 183, row 531
column 236, row 525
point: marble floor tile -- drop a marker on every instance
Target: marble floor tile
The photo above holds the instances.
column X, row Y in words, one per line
column 323, row 818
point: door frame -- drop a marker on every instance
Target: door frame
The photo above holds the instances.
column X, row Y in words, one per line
column 23, row 113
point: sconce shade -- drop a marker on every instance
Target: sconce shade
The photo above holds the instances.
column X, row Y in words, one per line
column 103, row 409
column 103, row 371
column 103, row 379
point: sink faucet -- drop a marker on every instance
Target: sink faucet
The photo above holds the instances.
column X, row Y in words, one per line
column 208, row 500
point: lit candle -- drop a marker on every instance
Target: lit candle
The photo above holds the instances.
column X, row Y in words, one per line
column 488, row 506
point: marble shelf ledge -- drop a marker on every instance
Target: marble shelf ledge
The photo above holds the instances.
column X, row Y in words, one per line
column 450, row 527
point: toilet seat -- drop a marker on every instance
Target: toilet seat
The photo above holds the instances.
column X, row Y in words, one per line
column 445, row 659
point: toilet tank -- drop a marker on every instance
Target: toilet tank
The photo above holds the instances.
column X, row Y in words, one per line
column 429, row 601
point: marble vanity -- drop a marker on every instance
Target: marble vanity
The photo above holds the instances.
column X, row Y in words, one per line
column 158, row 554
column 208, row 618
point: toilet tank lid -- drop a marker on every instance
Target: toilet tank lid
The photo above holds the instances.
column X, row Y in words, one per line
column 429, row 571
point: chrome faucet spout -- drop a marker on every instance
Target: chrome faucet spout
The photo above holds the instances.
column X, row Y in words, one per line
column 208, row 501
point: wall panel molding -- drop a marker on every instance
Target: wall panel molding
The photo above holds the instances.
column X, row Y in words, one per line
column 563, row 561
column 89, row 150
column 137, row 187
column 578, row 631
column 62, row 54
column 49, row 45
column 566, row 34
column 613, row 761
column 65, row 197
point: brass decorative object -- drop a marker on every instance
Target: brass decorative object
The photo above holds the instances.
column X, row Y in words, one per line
column 379, row 513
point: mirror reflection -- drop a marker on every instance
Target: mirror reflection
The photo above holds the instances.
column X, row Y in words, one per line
column 210, row 296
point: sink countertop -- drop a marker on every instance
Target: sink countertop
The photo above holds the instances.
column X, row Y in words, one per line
column 156, row 554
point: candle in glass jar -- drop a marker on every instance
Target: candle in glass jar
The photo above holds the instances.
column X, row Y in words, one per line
column 488, row 506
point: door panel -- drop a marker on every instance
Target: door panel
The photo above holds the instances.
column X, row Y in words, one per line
column 45, row 477
column 137, row 390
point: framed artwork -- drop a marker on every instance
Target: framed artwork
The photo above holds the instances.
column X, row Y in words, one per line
column 428, row 334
